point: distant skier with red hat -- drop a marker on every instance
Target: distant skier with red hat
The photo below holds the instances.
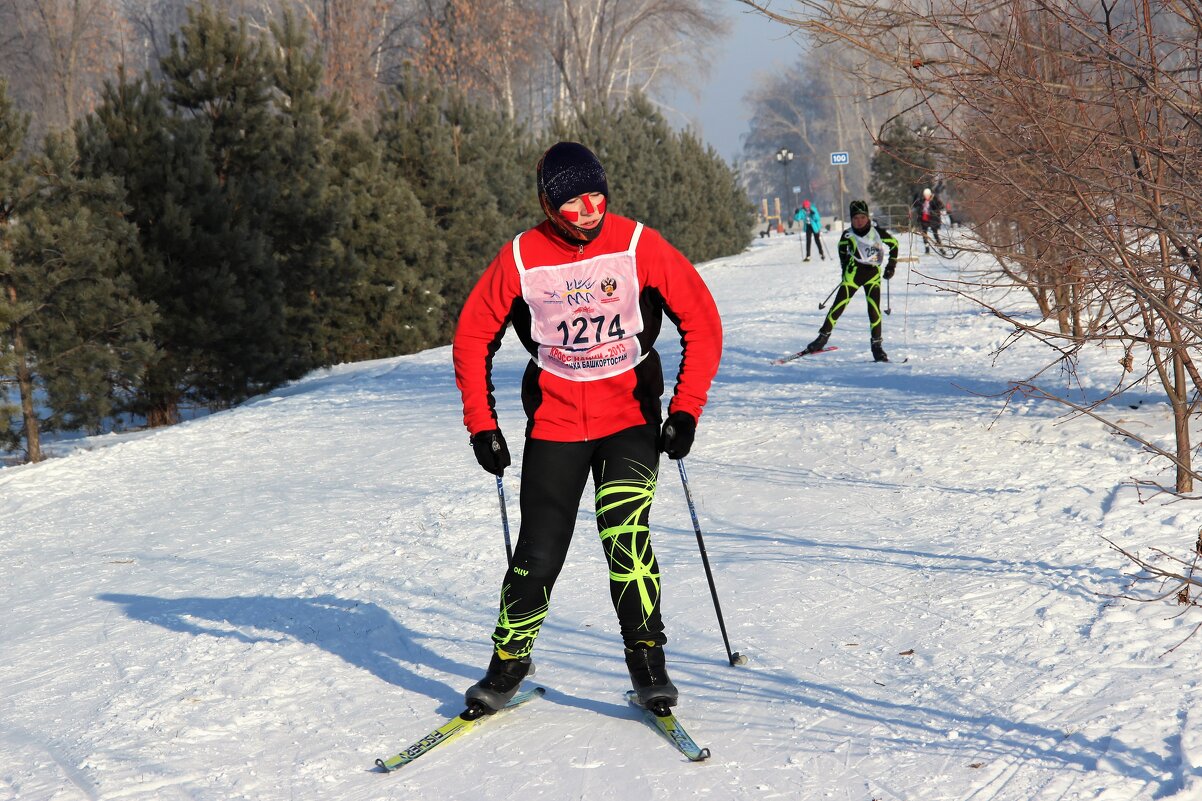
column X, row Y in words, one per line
column 811, row 223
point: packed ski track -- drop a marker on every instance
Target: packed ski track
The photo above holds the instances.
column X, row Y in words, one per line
column 260, row 603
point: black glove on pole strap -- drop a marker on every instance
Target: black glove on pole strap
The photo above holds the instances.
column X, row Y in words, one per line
column 676, row 440
column 491, row 451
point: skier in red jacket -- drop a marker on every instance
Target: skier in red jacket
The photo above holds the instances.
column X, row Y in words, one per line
column 586, row 291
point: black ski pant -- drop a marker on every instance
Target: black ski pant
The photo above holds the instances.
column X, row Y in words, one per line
column 624, row 467
column 855, row 276
column 929, row 229
column 812, row 234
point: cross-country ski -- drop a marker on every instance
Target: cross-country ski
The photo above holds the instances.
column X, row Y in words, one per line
column 799, row 354
column 455, row 727
column 665, row 722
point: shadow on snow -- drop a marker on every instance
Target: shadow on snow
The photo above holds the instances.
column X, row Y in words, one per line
column 362, row 634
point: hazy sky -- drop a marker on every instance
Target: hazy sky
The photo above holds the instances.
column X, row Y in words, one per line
column 755, row 48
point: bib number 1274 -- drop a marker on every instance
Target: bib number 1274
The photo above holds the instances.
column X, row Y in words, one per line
column 588, row 330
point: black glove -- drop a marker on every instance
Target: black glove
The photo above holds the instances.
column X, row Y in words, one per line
column 890, row 268
column 491, row 451
column 676, row 440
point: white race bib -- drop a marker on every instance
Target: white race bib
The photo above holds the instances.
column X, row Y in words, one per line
column 585, row 315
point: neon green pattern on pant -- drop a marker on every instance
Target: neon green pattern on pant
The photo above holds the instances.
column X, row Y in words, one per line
column 847, row 290
column 623, row 506
column 632, row 565
column 524, row 629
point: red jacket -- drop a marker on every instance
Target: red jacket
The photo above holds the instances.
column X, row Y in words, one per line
column 563, row 410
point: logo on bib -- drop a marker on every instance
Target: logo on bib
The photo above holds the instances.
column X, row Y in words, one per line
column 609, row 286
column 578, row 291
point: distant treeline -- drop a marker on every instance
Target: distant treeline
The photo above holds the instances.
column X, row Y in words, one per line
column 209, row 235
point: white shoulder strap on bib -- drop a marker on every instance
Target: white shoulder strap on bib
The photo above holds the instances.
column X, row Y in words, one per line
column 517, row 253
column 517, row 250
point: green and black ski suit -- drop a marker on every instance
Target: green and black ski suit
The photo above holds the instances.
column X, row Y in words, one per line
column 861, row 255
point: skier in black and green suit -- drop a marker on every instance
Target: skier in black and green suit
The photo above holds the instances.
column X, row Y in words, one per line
column 863, row 249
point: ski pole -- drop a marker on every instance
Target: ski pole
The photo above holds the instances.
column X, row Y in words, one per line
column 504, row 518
column 822, row 305
column 735, row 658
column 888, row 299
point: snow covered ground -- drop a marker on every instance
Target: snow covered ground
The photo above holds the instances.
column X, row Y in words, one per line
column 258, row 604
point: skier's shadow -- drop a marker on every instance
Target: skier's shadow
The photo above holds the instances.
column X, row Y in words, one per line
column 362, row 634
column 923, row 728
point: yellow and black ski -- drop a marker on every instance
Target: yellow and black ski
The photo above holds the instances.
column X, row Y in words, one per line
column 456, row 726
column 665, row 722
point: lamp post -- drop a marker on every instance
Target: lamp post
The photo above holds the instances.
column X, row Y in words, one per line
column 784, row 156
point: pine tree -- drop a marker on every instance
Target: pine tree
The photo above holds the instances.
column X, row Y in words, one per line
column 276, row 237
column 307, row 206
column 77, row 332
column 901, row 167
column 15, row 186
column 458, row 160
column 194, row 249
column 710, row 201
column 202, row 171
column 397, row 304
column 219, row 78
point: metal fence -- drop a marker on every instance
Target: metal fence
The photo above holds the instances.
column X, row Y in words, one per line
column 895, row 218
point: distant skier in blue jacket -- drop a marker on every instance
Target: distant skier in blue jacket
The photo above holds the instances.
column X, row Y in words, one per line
column 811, row 221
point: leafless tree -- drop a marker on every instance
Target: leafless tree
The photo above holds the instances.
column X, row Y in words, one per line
column 823, row 103
column 546, row 60
column 605, row 50
column 1076, row 129
column 352, row 36
column 57, row 54
column 1075, row 132
column 486, row 48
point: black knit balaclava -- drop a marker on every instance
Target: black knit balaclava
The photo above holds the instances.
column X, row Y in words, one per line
column 568, row 170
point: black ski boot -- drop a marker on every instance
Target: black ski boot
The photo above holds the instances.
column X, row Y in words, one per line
column 649, row 675
column 878, row 352
column 500, row 683
column 818, row 344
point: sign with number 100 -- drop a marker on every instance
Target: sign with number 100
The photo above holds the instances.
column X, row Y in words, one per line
column 839, row 159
